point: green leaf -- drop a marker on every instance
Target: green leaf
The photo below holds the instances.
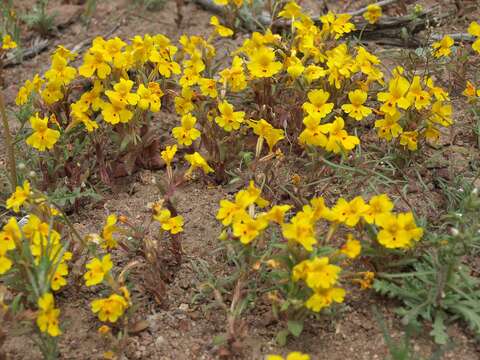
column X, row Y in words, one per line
column 295, row 327
column 281, row 337
column 471, row 316
column 439, row 331
column 219, row 340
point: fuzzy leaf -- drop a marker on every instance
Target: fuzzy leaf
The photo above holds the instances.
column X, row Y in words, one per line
column 439, row 331
column 295, row 327
column 281, row 337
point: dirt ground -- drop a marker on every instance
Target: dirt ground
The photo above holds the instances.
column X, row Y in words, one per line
column 184, row 326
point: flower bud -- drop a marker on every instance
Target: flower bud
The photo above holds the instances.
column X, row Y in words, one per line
column 223, row 235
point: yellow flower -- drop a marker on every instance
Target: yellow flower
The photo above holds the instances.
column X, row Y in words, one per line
column 398, row 231
column 352, row 247
column 208, row 87
column 409, row 139
column 21, row 194
column 191, row 76
column 184, row 104
column 356, row 109
column 247, row 229
column 197, row 161
column 296, row 355
column 230, row 211
column 263, row 129
column 365, row 62
column 388, row 127
column 314, row 133
column 52, row 92
column 377, row 206
column 65, row 53
column 104, row 329
column 416, row 95
column 431, row 132
column 229, row 120
column 98, row 269
column 92, row 99
column 122, row 92
column 115, row 112
column 60, row 71
column 291, row 10
column 262, row 63
column 392, row 235
column 474, row 30
column 8, row 43
column 314, row 72
column 114, row 46
column 407, row 222
column 301, row 230
column 168, row 154
column 317, row 273
column 350, row 212
column 96, row 61
column 43, row 137
column 108, row 230
column 47, row 317
column 58, row 280
column 10, row 234
column 5, row 263
column 470, row 90
column 221, row 30
column 149, row 97
column 26, row 90
column 337, row 25
column 40, row 234
column 111, row 308
column 373, row 13
column 325, row 298
column 338, row 137
column 320, row 210
column 172, row 224
column 442, row 114
column 438, row 92
column 234, row 76
column 442, row 47
column 78, row 112
column 277, row 213
column 318, row 107
column 367, row 280
column 186, row 134
column 396, row 95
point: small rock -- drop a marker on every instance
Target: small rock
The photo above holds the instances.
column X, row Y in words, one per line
column 183, row 307
column 160, row 341
column 444, row 173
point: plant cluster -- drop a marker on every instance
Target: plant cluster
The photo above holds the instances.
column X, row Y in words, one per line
column 439, row 287
column 302, row 260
